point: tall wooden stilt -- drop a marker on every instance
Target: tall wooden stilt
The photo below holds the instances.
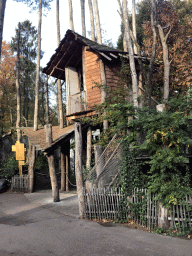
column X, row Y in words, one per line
column 63, row 170
column 67, row 167
column 78, row 168
column 31, row 157
column 53, row 177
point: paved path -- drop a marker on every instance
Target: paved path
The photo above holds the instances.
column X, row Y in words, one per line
column 31, row 224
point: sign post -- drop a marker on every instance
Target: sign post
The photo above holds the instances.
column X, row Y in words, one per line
column 20, row 155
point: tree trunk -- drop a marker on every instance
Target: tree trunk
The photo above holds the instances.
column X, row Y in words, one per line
column 18, row 123
column 99, row 165
column 125, row 46
column 150, row 71
column 59, row 87
column 58, row 22
column 89, row 141
column 163, row 213
column 31, row 159
column 47, row 102
column 36, row 110
column 2, row 14
column 83, row 17
column 71, row 15
column 53, row 177
column 92, row 20
column 60, row 103
column 134, row 26
column 131, row 55
column 97, row 21
column 165, row 61
column 10, row 109
column 103, row 92
column 78, row 168
column 102, row 67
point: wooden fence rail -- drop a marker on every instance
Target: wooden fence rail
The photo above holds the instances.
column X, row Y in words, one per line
column 20, row 183
column 106, row 204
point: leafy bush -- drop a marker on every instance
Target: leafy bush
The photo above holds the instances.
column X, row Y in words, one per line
column 9, row 168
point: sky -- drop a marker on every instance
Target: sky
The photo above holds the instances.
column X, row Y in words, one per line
column 18, row 12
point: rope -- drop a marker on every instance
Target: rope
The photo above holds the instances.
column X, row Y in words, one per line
column 72, row 184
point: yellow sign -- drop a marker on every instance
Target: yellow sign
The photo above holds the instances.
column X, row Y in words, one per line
column 20, row 154
column 20, row 151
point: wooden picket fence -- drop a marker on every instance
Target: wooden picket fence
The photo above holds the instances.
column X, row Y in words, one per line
column 181, row 215
column 20, row 183
column 106, row 204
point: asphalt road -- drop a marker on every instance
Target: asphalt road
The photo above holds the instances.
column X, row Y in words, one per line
column 31, row 224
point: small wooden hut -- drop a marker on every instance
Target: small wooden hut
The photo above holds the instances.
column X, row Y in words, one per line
column 77, row 62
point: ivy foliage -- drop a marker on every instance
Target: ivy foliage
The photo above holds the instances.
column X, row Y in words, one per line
column 163, row 140
column 165, row 137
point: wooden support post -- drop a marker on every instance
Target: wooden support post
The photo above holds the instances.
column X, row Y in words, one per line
column 67, row 166
column 99, row 165
column 53, row 177
column 78, row 168
column 89, row 140
column 63, row 170
column 31, row 157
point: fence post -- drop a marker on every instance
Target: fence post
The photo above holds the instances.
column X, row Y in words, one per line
column 162, row 216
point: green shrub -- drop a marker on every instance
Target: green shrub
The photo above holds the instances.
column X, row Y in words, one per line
column 9, row 168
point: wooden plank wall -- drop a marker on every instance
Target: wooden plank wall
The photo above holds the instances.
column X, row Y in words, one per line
column 92, row 76
column 112, row 74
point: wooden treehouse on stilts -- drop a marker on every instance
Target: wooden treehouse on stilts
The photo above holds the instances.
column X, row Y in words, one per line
column 83, row 65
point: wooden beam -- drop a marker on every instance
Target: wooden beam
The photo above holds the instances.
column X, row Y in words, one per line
column 60, row 69
column 70, row 44
column 104, row 55
column 113, row 55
